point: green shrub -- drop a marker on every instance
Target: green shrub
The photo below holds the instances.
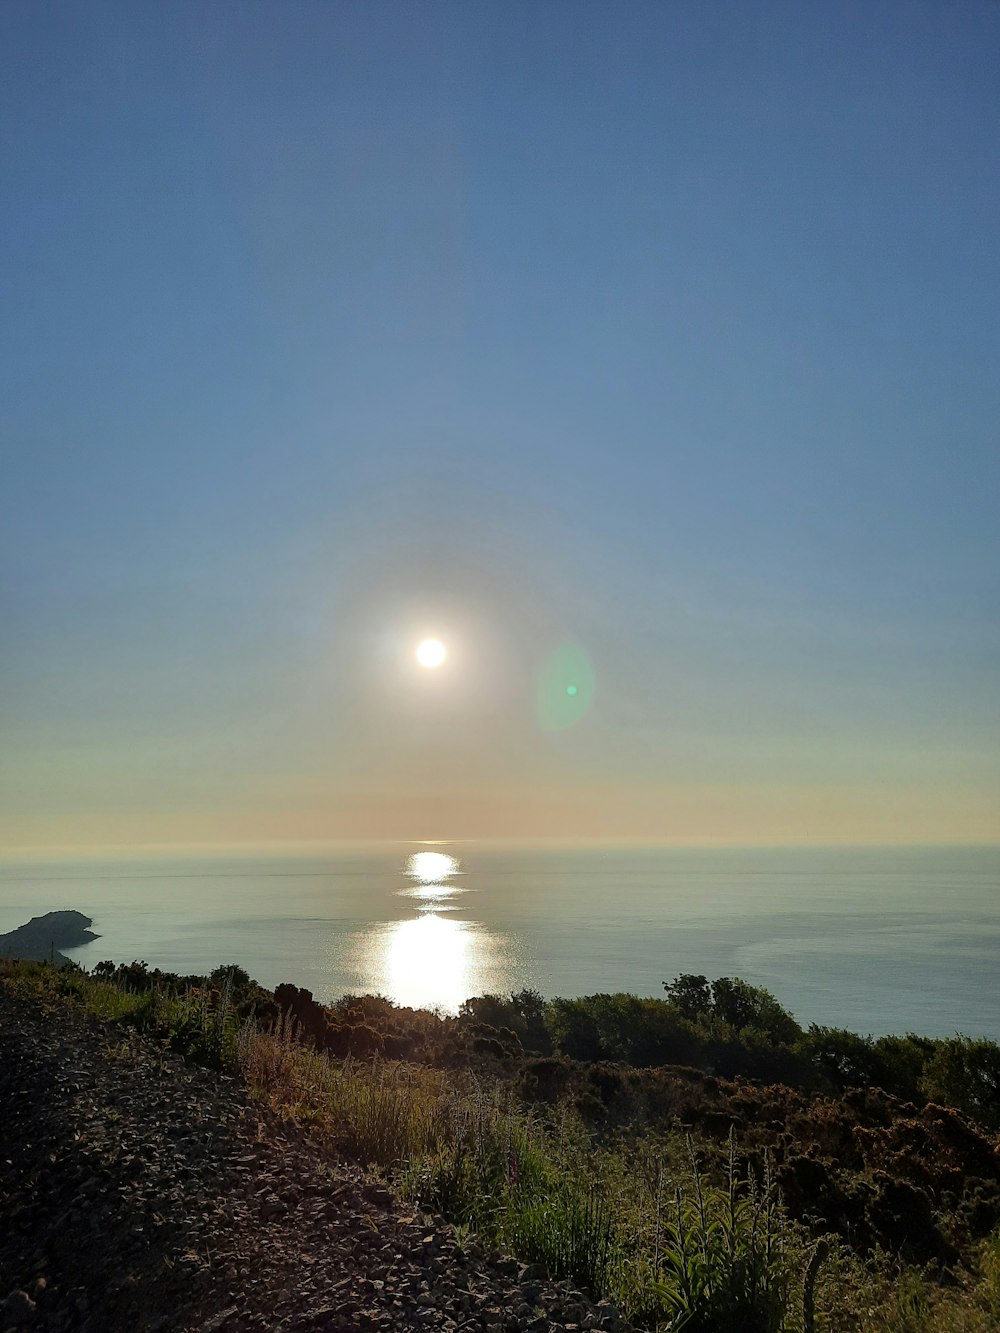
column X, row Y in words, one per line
column 722, row 1259
column 964, row 1072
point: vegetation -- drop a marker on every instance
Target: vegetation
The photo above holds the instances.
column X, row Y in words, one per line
column 604, row 1138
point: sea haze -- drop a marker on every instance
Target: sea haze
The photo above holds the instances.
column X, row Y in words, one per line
column 873, row 939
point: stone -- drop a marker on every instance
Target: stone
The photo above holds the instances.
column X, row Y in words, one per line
column 217, row 1320
column 19, row 1309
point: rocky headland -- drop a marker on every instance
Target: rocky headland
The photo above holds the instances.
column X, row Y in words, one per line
column 42, row 937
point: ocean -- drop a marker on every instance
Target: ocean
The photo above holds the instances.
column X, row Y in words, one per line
column 876, row 940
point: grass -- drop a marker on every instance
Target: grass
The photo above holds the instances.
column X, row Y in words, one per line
column 723, row 1256
column 675, row 1242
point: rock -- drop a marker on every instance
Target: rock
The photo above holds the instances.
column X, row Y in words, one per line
column 377, row 1194
column 19, row 1309
column 217, row 1320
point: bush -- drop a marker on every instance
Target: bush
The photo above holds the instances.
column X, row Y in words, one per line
column 731, row 1003
column 965, row 1072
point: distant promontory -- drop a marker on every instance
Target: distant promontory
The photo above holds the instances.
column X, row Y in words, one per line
column 43, row 937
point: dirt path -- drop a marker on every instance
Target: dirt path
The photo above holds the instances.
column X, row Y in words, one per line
column 140, row 1193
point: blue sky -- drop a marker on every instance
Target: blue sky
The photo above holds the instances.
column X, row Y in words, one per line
column 667, row 330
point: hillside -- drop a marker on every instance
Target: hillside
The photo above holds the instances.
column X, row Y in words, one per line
column 198, row 1148
column 140, row 1192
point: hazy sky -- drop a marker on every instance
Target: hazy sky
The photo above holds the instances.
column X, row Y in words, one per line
column 657, row 339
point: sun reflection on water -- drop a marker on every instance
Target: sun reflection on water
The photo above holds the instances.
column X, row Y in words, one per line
column 432, row 960
column 431, row 867
column 431, row 872
column 427, row 960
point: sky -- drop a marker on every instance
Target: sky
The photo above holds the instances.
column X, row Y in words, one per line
column 649, row 349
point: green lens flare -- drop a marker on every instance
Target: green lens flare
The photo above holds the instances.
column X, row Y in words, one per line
column 565, row 689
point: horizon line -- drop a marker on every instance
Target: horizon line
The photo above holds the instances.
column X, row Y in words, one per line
column 277, row 845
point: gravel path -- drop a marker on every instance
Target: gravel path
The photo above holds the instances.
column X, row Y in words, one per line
column 140, row 1193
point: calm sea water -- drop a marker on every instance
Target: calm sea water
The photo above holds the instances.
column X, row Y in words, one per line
column 877, row 940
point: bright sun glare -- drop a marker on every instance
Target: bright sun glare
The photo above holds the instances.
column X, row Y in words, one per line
column 431, row 653
column 431, row 867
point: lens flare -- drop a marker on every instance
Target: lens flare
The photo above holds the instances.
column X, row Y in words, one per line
column 565, row 689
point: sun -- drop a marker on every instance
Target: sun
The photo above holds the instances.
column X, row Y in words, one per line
column 431, row 653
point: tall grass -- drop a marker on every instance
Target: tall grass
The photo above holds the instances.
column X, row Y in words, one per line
column 536, row 1189
column 722, row 1258
column 494, row 1170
